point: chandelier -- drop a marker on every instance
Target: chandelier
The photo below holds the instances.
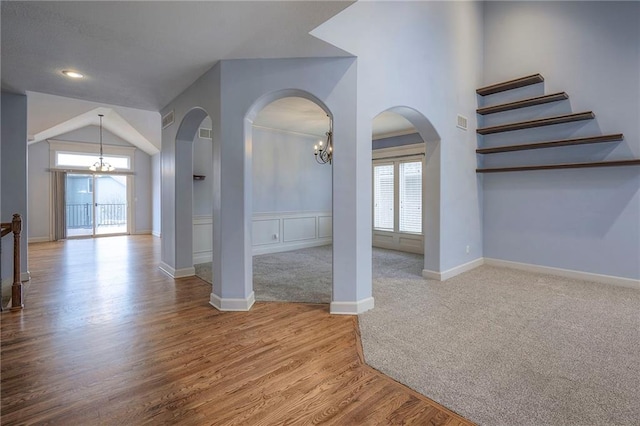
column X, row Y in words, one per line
column 324, row 153
column 101, row 165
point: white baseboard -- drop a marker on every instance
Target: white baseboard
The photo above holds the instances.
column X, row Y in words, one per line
column 279, row 248
column 142, row 232
column 38, row 240
column 568, row 273
column 156, row 234
column 450, row 273
column 351, row 308
column 226, row 304
column 177, row 273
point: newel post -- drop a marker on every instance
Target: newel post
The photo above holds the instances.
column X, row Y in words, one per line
column 16, row 289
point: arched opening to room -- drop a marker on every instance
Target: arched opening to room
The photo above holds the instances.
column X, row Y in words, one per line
column 203, row 190
column 406, row 194
column 291, row 224
column 189, row 196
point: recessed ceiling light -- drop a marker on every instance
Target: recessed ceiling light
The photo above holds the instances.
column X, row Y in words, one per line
column 72, row 74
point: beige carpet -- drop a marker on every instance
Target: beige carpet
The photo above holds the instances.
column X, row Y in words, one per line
column 295, row 276
column 498, row 346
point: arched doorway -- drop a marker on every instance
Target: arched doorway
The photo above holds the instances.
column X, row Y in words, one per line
column 291, row 190
column 177, row 252
column 406, row 180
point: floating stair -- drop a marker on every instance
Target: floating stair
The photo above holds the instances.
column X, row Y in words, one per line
column 523, row 103
column 552, row 144
column 511, row 84
column 634, row 162
column 547, row 121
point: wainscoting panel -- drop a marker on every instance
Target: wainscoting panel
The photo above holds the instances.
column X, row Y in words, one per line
column 266, row 231
column 299, row 228
column 202, row 239
column 325, row 226
column 271, row 233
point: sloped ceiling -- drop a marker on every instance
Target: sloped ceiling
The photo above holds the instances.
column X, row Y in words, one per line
column 137, row 56
column 49, row 116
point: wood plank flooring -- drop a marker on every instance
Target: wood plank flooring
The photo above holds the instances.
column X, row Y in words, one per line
column 106, row 338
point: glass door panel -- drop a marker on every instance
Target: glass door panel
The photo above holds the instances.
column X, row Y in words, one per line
column 110, row 204
column 79, row 205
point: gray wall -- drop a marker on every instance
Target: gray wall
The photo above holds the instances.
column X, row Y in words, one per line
column 40, row 182
column 13, row 178
column 588, row 219
column 155, row 194
column 142, row 199
column 39, row 192
column 202, row 165
column 286, row 176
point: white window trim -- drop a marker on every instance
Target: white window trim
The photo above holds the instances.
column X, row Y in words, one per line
column 69, row 147
column 404, row 241
column 415, row 149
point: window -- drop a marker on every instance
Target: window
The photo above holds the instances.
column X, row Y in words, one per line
column 79, row 156
column 397, row 196
column 68, row 159
column 411, row 197
column 383, row 200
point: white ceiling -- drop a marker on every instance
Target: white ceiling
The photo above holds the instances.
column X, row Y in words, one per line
column 142, row 54
column 294, row 114
column 138, row 55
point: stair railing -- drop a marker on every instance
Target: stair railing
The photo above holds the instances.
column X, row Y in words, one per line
column 15, row 226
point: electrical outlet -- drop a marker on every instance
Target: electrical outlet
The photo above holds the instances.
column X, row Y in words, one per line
column 468, row 249
column 275, row 236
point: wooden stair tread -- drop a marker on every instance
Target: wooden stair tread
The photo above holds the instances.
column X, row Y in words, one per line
column 552, row 144
column 511, row 84
column 634, row 162
column 523, row 103
column 547, row 121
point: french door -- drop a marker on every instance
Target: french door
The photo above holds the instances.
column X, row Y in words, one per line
column 397, row 204
column 96, row 205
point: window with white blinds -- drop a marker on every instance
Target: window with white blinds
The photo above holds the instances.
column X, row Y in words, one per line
column 397, row 196
column 410, row 192
column 383, row 197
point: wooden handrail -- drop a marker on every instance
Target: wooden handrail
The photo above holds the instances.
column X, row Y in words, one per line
column 16, row 289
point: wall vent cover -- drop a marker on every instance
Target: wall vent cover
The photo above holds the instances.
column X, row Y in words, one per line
column 205, row 133
column 167, row 120
column 462, row 122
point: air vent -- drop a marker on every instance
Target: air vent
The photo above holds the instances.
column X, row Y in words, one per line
column 462, row 122
column 205, row 133
column 167, row 120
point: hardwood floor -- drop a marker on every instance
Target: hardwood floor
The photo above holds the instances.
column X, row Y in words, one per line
column 106, row 338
